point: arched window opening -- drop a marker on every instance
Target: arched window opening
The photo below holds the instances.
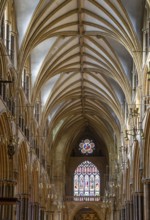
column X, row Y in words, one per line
column 8, row 31
column 86, row 180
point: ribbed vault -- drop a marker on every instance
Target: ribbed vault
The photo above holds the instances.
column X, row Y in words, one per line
column 83, row 78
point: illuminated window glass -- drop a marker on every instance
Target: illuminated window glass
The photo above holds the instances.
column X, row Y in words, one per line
column 87, row 147
column 86, row 180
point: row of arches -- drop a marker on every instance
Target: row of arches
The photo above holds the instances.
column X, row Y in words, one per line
column 135, row 180
column 27, row 168
column 21, row 175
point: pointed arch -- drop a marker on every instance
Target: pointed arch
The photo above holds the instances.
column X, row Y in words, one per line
column 86, row 180
column 35, row 181
column 23, row 178
column 146, row 146
column 128, row 188
column 137, row 183
column 5, row 134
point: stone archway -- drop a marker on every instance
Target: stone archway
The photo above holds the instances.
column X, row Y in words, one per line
column 86, row 214
column 73, row 208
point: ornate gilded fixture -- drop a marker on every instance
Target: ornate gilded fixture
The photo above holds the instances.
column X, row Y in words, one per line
column 11, row 148
column 135, row 124
column 134, row 132
column 148, row 75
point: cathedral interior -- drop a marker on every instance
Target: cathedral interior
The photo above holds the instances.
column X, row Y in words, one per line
column 75, row 110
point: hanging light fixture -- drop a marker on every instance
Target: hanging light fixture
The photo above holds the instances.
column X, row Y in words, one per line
column 136, row 129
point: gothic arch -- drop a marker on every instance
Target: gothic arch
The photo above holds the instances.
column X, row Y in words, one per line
column 137, row 183
column 146, row 172
column 35, row 177
column 23, row 169
column 3, row 61
column 5, row 135
column 128, row 187
column 100, row 212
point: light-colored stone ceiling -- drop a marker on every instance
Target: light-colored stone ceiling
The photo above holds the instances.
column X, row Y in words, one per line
column 81, row 53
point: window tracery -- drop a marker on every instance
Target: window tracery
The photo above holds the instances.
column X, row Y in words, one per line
column 8, row 32
column 87, row 146
column 86, row 180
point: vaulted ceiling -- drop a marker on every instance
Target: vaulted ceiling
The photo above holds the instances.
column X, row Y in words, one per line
column 82, row 53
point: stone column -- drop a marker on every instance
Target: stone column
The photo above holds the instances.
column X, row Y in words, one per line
column 131, row 210
column 57, row 215
column 135, row 206
column 147, row 199
column 120, row 214
column 115, row 215
column 6, row 192
column 51, row 215
column 35, row 211
column 127, row 211
column 47, row 215
column 18, row 210
column 138, row 206
column 42, row 213
column 23, row 207
column 122, row 217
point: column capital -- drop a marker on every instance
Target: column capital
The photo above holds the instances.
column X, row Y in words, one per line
column 128, row 202
column 131, row 202
column 42, row 208
column 146, row 180
column 138, row 193
column 34, row 203
column 8, row 182
column 24, row 195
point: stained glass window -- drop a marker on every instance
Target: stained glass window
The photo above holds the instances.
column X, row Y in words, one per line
column 87, row 147
column 86, row 180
